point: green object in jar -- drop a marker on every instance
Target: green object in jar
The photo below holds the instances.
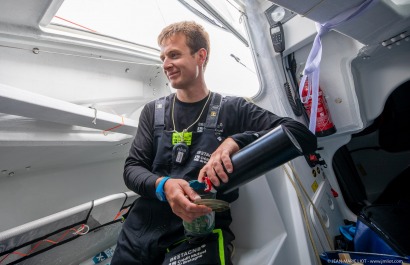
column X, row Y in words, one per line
column 202, row 225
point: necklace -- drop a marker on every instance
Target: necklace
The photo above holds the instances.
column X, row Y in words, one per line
column 180, row 151
column 200, row 114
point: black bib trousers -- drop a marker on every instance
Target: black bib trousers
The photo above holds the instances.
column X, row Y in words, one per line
column 151, row 226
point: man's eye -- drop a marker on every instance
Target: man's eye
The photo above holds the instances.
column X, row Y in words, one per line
column 173, row 55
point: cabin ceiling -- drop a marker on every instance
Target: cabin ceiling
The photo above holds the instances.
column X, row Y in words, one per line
column 43, row 67
column 382, row 21
column 24, row 13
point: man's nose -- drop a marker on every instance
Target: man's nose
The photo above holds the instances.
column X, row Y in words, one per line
column 166, row 64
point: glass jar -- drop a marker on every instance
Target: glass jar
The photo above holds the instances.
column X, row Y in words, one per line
column 204, row 224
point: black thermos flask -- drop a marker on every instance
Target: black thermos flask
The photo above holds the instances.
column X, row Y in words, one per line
column 268, row 152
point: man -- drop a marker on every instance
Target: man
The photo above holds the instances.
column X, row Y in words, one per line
column 206, row 129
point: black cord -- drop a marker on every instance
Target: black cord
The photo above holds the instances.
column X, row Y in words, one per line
column 294, row 101
column 292, row 67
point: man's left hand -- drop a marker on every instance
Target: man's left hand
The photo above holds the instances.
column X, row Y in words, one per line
column 218, row 162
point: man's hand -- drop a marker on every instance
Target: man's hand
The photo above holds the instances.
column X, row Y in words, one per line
column 219, row 160
column 180, row 196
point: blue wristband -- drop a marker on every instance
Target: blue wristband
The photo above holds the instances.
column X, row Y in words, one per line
column 160, row 190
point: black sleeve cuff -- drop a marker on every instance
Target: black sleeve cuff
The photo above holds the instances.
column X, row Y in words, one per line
column 243, row 139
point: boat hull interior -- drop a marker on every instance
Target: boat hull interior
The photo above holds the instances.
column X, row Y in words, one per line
column 70, row 101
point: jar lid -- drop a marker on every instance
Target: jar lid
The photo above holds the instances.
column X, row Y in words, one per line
column 215, row 205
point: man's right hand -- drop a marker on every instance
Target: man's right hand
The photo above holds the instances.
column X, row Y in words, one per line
column 180, row 197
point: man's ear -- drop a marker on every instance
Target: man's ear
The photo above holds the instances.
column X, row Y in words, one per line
column 202, row 53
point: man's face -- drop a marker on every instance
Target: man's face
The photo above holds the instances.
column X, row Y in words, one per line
column 181, row 68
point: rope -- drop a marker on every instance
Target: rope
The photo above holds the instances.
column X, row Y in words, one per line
column 328, row 237
column 305, row 217
column 121, row 213
column 105, row 132
column 66, row 20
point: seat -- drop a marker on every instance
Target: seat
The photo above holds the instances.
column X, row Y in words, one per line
column 397, row 190
column 394, row 128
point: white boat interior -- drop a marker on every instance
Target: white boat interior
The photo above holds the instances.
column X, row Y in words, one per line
column 74, row 76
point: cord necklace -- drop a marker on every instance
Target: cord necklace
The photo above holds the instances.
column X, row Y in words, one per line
column 202, row 111
column 180, row 151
